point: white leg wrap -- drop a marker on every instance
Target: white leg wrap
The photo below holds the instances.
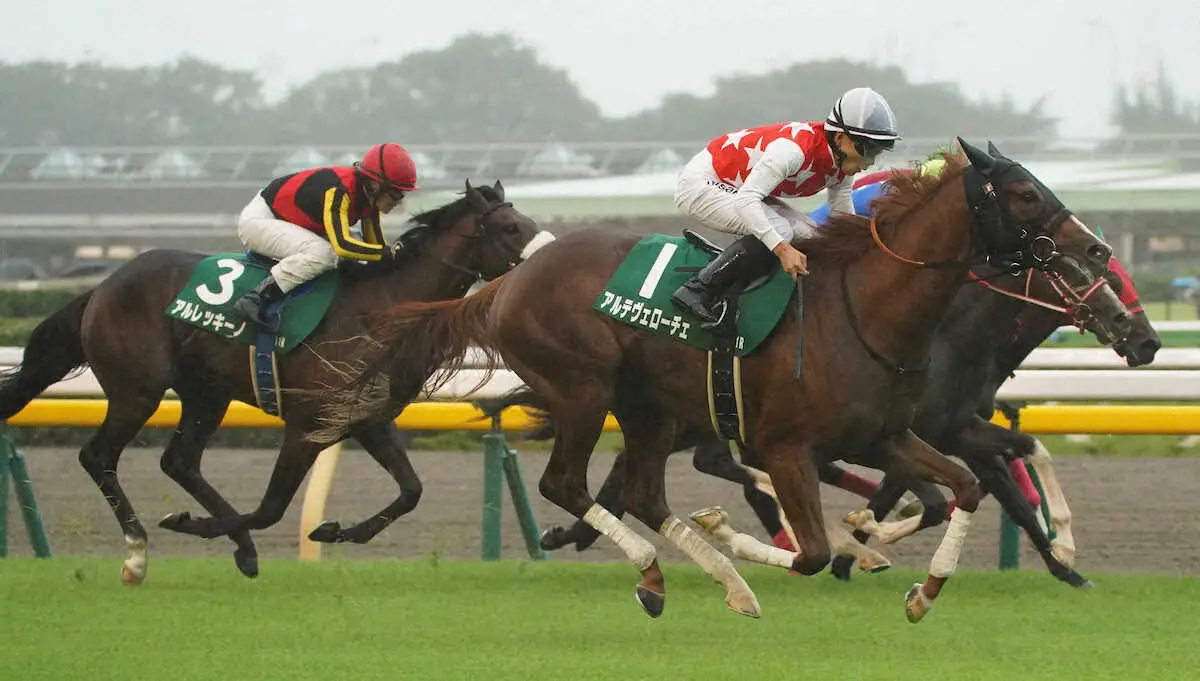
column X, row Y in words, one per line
column 945, row 559
column 713, row 561
column 641, row 552
column 746, row 547
column 1056, row 501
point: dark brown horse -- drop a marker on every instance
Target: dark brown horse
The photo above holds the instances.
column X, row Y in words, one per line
column 877, row 291
column 137, row 353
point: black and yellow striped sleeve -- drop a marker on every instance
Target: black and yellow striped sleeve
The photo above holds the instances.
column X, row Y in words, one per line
column 372, row 231
column 336, row 216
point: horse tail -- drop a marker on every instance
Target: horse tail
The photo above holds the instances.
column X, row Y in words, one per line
column 440, row 335
column 414, row 345
column 53, row 350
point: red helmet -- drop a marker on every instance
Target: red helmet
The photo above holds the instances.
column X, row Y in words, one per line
column 390, row 165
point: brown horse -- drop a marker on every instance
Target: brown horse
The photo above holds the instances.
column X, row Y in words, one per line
column 877, row 291
column 137, row 353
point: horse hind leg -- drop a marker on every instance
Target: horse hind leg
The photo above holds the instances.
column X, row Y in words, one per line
column 578, row 422
column 382, row 442
column 100, row 456
column 649, row 437
column 580, row 533
column 201, row 416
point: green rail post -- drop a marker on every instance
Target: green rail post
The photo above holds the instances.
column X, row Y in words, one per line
column 521, row 503
column 500, row 464
column 1010, row 543
column 3, row 504
column 493, row 489
column 24, row 489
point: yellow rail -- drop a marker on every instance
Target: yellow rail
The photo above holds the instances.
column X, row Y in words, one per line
column 1122, row 419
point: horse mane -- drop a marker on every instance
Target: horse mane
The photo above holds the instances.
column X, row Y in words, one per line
column 426, row 226
column 844, row 238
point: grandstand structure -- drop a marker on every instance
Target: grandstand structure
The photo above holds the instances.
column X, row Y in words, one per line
column 1144, row 191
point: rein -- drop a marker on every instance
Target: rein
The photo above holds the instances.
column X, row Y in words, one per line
column 1036, row 252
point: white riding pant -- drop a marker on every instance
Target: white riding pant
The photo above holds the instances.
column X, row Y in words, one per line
column 302, row 255
column 702, row 195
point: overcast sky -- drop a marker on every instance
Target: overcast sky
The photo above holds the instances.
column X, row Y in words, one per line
column 626, row 54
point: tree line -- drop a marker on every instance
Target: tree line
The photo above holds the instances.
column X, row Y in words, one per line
column 479, row 88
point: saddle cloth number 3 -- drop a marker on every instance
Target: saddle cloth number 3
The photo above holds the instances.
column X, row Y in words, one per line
column 225, row 280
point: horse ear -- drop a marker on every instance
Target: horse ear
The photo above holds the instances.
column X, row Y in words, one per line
column 993, row 151
column 499, row 189
column 477, row 200
column 976, row 156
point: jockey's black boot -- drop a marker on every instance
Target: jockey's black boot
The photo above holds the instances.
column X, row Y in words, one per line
column 704, row 293
column 253, row 303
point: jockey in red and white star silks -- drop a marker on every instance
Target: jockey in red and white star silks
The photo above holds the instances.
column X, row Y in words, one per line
column 733, row 185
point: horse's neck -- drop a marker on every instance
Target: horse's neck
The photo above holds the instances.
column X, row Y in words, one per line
column 1036, row 326
column 425, row 278
column 902, row 305
column 975, row 335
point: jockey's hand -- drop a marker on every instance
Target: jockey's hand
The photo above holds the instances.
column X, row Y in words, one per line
column 794, row 262
column 389, row 253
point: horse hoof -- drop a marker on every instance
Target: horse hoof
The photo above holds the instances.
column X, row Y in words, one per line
column 912, row 508
column 1063, row 553
column 744, row 604
column 247, row 563
column 175, row 521
column 916, row 605
column 651, row 602
column 840, row 568
column 328, row 532
column 710, row 518
column 553, row 538
column 875, row 569
column 132, row 578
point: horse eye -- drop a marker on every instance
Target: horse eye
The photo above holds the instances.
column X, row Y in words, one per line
column 1030, row 196
column 512, row 228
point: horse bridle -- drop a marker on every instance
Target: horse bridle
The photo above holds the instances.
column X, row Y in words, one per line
column 1037, row 250
column 473, row 240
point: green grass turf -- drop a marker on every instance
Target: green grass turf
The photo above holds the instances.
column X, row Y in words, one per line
column 70, row 618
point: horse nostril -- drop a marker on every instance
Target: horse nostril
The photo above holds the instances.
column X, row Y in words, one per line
column 1150, row 346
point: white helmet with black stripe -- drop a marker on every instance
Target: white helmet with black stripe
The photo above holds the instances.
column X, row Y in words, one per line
column 865, row 116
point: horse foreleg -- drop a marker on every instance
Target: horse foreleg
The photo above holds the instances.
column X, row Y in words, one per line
column 382, row 442
column 295, row 459
column 842, row 543
column 1063, row 544
column 913, row 458
column 887, row 532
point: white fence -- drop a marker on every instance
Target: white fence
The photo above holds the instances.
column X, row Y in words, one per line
column 1048, row 374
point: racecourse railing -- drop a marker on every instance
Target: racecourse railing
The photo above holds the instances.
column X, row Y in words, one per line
column 1101, row 396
